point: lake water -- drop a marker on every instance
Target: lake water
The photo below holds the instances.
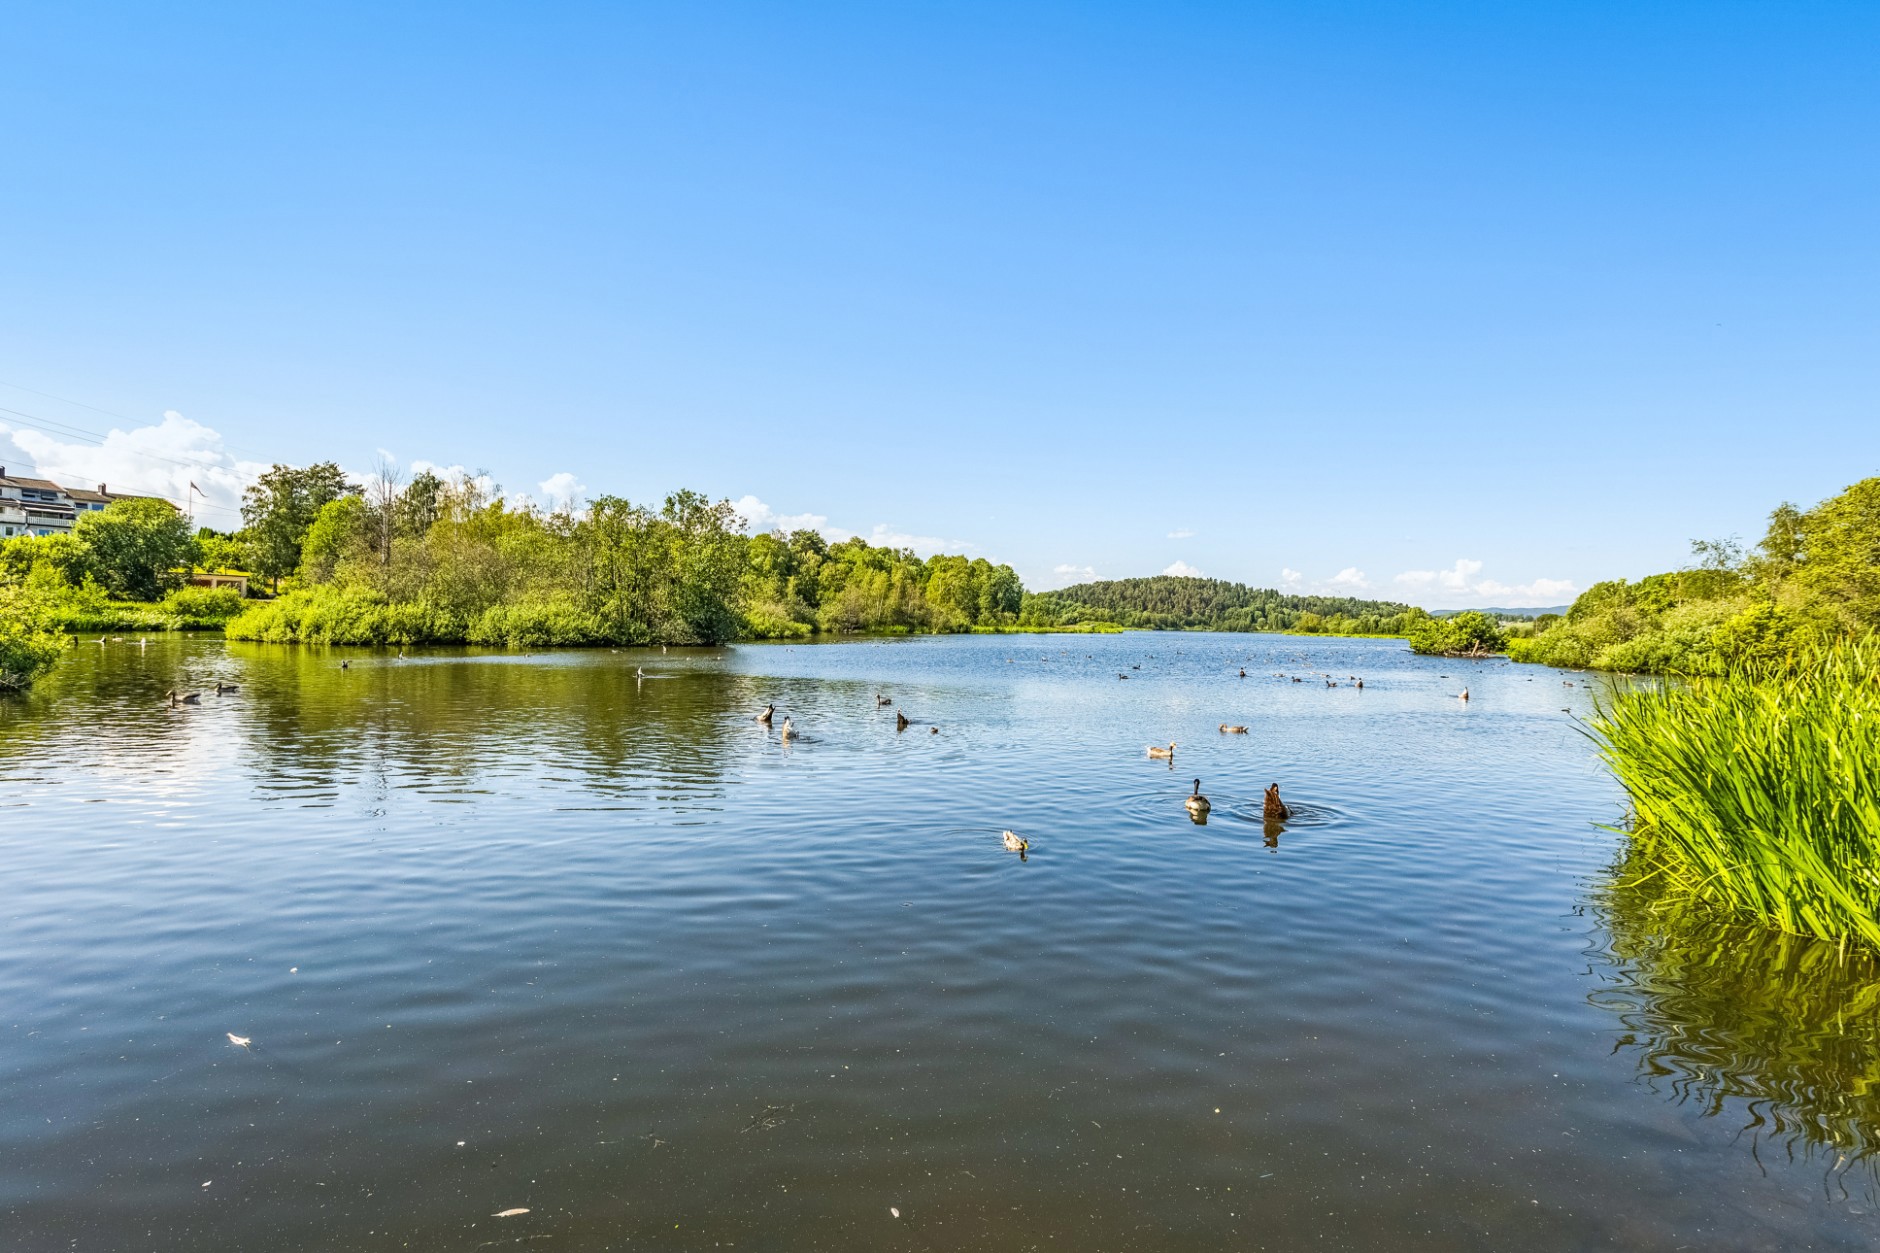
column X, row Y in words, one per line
column 539, row 932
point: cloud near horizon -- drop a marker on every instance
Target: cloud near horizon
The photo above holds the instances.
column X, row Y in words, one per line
column 1457, row 587
column 161, row 459
column 562, row 490
column 1182, row 570
column 762, row 517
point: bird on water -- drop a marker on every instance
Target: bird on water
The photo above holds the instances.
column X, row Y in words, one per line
column 765, row 716
column 1166, row 753
column 1275, row 809
column 1197, row 804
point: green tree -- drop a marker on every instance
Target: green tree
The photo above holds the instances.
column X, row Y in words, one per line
column 339, row 531
column 69, row 557
column 141, row 546
column 279, row 508
column 28, row 644
column 1471, row 632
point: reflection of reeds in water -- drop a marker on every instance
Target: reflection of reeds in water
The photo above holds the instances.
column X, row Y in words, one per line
column 1781, row 1031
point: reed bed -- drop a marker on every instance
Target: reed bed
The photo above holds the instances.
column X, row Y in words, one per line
column 1758, row 792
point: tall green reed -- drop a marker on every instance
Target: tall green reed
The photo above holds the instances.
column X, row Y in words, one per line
column 1758, row 792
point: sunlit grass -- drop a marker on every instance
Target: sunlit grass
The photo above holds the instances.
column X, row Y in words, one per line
column 1759, row 792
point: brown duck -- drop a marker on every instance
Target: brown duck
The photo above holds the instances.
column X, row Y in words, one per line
column 1275, row 809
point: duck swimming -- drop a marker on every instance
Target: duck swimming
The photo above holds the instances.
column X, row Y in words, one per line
column 1275, row 809
column 1165, row 753
column 1232, row 730
column 900, row 720
column 181, row 698
column 1197, row 804
column 787, row 730
column 765, row 716
column 1017, row 843
column 223, row 689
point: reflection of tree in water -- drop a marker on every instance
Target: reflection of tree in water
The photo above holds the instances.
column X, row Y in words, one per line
column 1779, row 1031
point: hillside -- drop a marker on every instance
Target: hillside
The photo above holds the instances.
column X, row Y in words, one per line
column 1166, row 602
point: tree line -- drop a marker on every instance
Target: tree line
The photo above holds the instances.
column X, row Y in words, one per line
column 1813, row 578
column 440, row 559
column 1174, row 603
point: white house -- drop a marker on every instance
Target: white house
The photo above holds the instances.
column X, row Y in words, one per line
column 42, row 507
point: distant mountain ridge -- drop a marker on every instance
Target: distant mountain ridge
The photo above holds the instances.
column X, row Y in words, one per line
column 1171, row 602
column 1502, row 613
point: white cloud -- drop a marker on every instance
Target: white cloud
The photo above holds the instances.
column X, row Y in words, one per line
column 162, row 459
column 450, row 474
column 1182, row 570
column 1078, row 572
column 1458, row 586
column 761, row 517
column 1350, row 579
column 1288, row 577
column 1181, row 533
column 886, row 536
column 561, row 490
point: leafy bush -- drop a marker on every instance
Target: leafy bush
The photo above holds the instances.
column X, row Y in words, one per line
column 540, row 622
column 28, row 643
column 202, row 606
column 1471, row 632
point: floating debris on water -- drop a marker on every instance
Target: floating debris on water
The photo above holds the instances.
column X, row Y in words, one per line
column 510, row 1213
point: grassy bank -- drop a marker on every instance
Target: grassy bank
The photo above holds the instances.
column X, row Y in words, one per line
column 1757, row 793
column 87, row 610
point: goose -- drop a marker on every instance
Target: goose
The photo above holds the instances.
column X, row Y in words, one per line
column 1360, row 685
column 1465, row 695
column 1243, row 672
column 933, row 730
column 345, row 665
column 1122, row 676
column 1275, row 809
column 881, row 700
column 900, row 720
column 223, row 689
column 1168, row 752
column 1017, row 843
column 1232, row 730
column 1297, row 679
column 765, row 716
column 1197, row 804
column 787, row 730
column 183, row 698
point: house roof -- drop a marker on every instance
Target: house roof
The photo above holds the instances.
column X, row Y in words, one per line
column 38, row 485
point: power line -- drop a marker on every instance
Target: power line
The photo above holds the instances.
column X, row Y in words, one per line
column 20, row 387
column 48, row 426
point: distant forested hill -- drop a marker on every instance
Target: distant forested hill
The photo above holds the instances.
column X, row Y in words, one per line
column 1167, row 602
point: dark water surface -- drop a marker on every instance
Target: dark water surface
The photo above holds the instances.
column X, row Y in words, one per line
column 533, row 932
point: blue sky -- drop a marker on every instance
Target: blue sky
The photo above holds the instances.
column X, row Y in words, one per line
column 1458, row 303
